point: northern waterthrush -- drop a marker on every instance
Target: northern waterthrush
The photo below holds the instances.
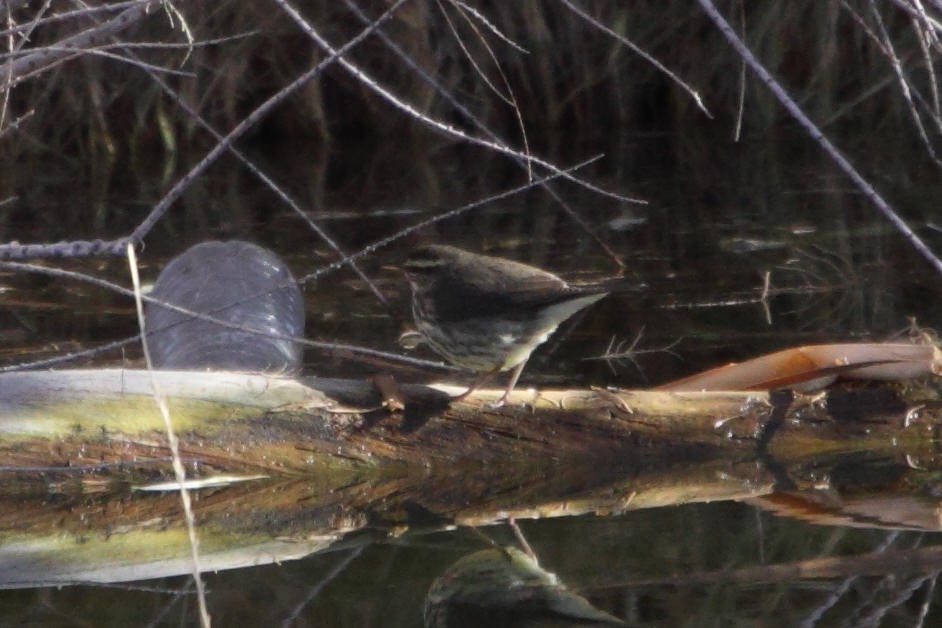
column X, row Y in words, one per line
column 487, row 313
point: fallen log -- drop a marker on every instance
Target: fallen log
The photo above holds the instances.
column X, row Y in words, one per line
column 82, row 454
column 249, row 423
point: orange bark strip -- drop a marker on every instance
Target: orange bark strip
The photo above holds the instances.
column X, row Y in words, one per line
column 816, row 366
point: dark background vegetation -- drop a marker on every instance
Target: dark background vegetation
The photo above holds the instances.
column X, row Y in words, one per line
column 105, row 137
column 90, row 143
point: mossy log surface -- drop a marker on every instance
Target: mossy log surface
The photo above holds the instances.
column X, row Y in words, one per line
column 82, row 451
column 237, row 422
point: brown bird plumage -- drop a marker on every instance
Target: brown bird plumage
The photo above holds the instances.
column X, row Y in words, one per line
column 487, row 313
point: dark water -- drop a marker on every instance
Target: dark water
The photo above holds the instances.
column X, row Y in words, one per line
column 638, row 566
column 712, row 228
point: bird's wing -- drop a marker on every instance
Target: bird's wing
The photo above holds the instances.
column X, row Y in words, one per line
column 498, row 289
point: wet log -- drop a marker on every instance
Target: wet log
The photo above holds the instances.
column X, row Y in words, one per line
column 249, row 424
column 84, row 457
column 114, row 535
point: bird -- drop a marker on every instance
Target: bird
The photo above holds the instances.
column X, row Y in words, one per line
column 486, row 313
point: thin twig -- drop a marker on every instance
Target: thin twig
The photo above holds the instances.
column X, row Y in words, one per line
column 447, row 215
column 330, row 347
column 903, row 83
column 434, row 123
column 481, row 126
column 178, row 469
column 250, row 120
column 489, row 25
column 84, row 12
column 510, row 98
column 317, row 588
column 268, row 181
column 815, row 133
column 694, row 94
column 16, row 70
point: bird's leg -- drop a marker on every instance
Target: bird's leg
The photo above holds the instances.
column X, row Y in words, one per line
column 480, row 381
column 514, row 376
